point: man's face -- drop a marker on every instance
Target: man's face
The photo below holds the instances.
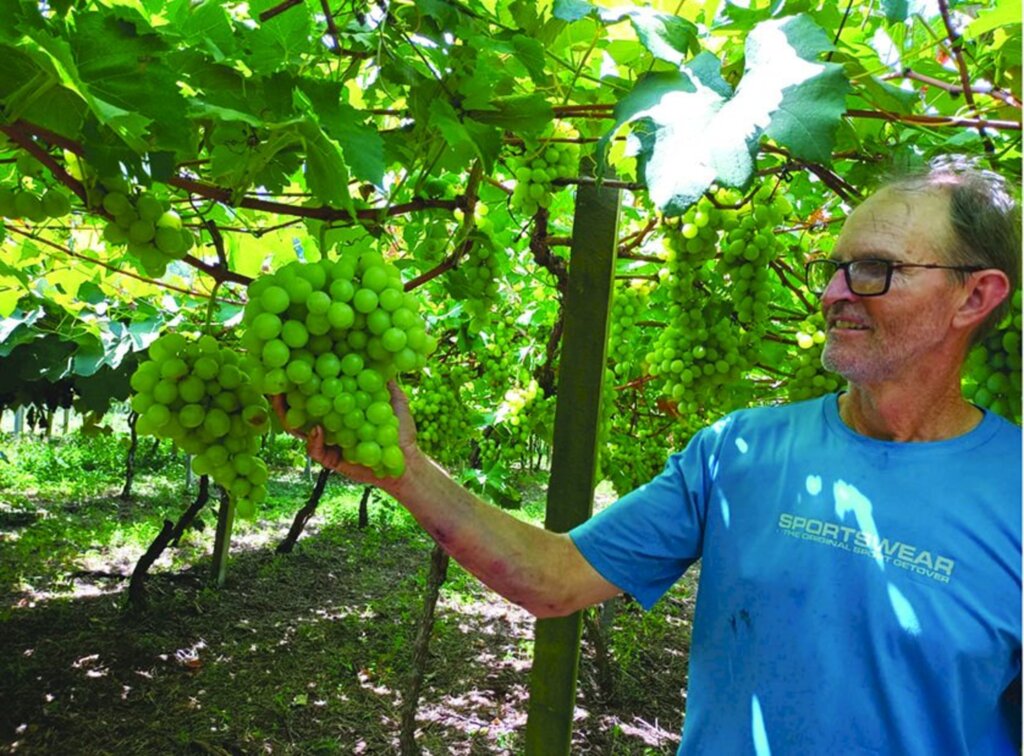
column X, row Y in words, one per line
column 890, row 337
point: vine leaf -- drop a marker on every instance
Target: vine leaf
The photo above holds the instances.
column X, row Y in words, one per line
column 17, row 329
column 666, row 36
column 693, row 131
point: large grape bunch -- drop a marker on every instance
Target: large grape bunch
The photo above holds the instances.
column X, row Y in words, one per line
column 329, row 336
column 749, row 243
column 444, row 422
column 992, row 374
column 199, row 395
column 146, row 224
column 541, row 163
column 626, row 340
column 700, row 352
column 29, row 199
column 809, row 378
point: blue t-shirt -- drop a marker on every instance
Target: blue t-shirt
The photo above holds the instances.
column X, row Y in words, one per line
column 856, row 596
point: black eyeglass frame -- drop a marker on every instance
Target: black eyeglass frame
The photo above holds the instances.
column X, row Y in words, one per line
column 890, row 266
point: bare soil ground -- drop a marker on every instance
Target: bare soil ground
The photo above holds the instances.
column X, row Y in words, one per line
column 310, row 652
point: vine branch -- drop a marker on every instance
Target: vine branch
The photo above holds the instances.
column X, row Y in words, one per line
column 114, row 269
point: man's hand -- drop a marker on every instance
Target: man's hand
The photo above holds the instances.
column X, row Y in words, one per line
column 331, row 456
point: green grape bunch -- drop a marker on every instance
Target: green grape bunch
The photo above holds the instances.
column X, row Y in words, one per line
column 697, row 354
column 626, row 342
column 29, row 199
column 523, row 425
column 992, row 373
column 25, row 204
column 748, row 245
column 200, row 395
column 809, row 378
column 329, row 336
column 535, row 171
column 151, row 230
column 444, row 422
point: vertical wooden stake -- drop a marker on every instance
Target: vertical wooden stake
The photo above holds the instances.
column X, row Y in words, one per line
column 574, row 453
column 222, row 540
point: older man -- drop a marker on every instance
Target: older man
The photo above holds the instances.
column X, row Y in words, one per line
column 860, row 553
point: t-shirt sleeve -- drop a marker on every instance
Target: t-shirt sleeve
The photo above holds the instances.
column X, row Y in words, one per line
column 646, row 540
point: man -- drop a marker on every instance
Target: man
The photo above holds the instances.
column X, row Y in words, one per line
column 860, row 580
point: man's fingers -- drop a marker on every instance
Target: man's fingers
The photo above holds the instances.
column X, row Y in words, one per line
column 278, row 402
column 400, row 404
column 328, row 456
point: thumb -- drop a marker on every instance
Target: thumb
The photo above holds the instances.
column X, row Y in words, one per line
column 406, row 424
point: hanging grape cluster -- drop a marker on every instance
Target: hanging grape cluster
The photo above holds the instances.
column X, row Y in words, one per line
column 152, row 231
column 633, row 456
column 476, row 279
column 809, row 378
column 444, row 421
column 198, row 394
column 701, row 349
column 992, row 373
column 521, row 428
column 33, row 206
column 542, row 163
column 749, row 243
column 329, row 336
column 625, row 338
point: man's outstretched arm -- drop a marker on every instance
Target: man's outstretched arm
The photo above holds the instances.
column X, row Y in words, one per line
column 535, row 568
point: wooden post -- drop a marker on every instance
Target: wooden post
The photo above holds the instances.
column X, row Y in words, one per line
column 574, row 453
column 222, row 540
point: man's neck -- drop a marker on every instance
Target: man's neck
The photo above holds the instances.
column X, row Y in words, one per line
column 894, row 413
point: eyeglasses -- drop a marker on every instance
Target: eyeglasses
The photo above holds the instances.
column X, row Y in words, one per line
column 865, row 278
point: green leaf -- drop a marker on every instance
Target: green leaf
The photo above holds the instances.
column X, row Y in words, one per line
column 691, row 133
column 1006, row 13
column 207, row 26
column 896, row 10
column 280, row 43
column 326, row 170
column 16, row 329
column 89, row 357
column 362, row 144
column 523, row 114
column 119, row 62
column 572, row 10
column 666, row 36
column 91, row 293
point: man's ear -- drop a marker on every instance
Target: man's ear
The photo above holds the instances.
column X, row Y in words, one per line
column 985, row 290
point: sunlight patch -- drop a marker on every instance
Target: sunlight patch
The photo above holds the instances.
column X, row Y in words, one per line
column 758, row 731
column 850, row 500
column 814, row 484
column 905, row 613
column 724, row 505
column 742, row 445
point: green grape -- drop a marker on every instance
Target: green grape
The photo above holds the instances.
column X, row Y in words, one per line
column 7, row 205
column 992, row 372
column 56, row 204
column 28, row 205
column 149, row 207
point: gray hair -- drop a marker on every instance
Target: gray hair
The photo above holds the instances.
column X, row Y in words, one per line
column 984, row 218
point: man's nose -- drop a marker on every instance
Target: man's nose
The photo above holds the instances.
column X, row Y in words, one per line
column 837, row 290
